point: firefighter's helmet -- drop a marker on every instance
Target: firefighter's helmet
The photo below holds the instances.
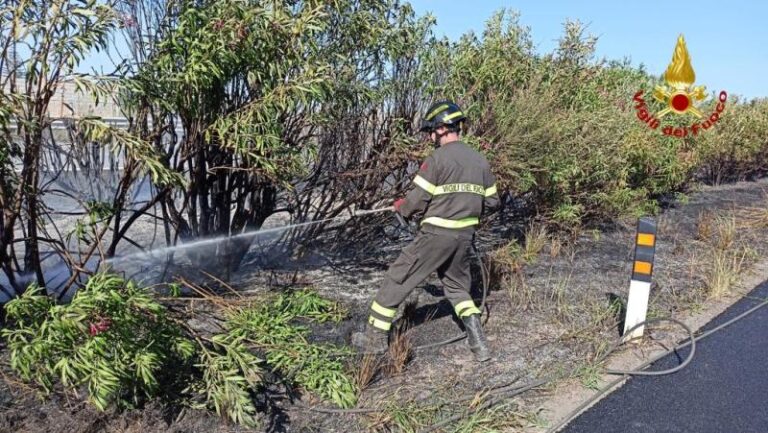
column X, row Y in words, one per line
column 442, row 113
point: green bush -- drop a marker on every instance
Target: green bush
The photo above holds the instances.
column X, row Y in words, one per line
column 272, row 328
column 560, row 129
column 736, row 148
column 116, row 341
column 113, row 338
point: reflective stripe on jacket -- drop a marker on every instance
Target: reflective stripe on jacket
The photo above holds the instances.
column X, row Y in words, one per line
column 453, row 188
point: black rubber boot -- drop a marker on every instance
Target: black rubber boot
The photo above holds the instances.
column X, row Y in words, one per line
column 371, row 340
column 476, row 339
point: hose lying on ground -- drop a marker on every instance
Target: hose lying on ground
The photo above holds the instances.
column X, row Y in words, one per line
column 501, row 393
column 505, row 392
column 625, row 374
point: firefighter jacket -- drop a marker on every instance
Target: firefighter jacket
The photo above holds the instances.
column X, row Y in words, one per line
column 453, row 188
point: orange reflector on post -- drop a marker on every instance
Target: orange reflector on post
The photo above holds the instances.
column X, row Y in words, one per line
column 646, row 239
column 640, row 284
column 643, row 267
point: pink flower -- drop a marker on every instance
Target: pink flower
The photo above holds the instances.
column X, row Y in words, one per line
column 128, row 21
column 97, row 328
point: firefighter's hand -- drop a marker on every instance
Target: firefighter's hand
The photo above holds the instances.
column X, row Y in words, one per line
column 399, row 202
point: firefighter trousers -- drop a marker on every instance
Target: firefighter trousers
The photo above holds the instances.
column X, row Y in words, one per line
column 447, row 253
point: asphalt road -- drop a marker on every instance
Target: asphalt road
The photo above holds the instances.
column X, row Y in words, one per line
column 723, row 390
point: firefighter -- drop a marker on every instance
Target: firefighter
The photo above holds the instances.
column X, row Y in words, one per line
column 452, row 189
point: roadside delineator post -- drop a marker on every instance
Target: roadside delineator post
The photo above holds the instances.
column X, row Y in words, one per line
column 640, row 284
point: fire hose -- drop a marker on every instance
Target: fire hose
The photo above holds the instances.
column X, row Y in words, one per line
column 497, row 394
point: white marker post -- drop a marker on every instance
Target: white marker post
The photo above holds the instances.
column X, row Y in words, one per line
column 640, row 284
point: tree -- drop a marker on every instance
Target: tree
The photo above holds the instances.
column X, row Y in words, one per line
column 290, row 105
column 42, row 44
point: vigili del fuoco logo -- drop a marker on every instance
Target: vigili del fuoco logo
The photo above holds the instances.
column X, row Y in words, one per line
column 679, row 95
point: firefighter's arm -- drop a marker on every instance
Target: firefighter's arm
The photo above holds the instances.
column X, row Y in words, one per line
column 491, row 199
column 417, row 200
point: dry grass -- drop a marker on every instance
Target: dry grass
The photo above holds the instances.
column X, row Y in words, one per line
column 705, row 225
column 555, row 246
column 506, row 259
column 521, row 294
column 402, row 414
column 725, row 256
column 502, row 417
column 507, row 263
column 589, row 319
column 400, row 350
column 718, row 256
column 503, row 264
column 536, row 237
column 558, row 297
column 753, row 218
column 725, row 229
column 724, row 271
column 369, row 367
column 511, row 258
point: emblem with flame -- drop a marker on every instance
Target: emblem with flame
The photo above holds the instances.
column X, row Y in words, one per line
column 679, row 95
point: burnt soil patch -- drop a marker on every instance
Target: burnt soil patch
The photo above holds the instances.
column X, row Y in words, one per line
column 554, row 312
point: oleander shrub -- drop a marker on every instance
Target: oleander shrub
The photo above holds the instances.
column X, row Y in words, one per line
column 119, row 346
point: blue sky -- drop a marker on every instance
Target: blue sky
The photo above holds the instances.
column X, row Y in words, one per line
column 727, row 40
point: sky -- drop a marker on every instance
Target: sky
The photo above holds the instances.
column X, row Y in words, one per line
column 727, row 40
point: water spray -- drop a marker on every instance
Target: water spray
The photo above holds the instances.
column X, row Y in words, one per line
column 58, row 275
column 153, row 253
